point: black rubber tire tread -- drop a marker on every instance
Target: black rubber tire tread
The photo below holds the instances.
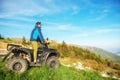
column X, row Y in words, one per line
column 9, row 61
column 22, row 61
column 55, row 59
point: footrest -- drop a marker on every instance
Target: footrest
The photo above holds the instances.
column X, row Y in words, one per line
column 35, row 64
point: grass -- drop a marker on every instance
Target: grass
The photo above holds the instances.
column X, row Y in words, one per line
column 44, row 73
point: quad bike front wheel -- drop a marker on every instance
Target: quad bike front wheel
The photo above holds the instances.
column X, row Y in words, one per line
column 53, row 62
column 18, row 65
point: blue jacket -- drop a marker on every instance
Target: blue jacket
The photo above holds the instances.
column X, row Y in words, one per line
column 36, row 35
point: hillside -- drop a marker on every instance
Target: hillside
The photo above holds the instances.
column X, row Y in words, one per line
column 103, row 53
column 76, row 54
column 43, row 73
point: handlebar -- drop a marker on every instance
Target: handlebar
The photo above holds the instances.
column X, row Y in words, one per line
column 45, row 44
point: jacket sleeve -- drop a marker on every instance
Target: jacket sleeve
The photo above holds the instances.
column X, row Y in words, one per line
column 40, row 36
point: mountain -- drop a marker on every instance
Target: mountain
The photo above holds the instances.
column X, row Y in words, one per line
column 103, row 53
column 118, row 53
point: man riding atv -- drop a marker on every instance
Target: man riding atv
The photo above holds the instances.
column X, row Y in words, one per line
column 19, row 58
column 36, row 36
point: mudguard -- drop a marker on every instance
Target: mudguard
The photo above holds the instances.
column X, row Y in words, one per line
column 13, row 49
column 52, row 52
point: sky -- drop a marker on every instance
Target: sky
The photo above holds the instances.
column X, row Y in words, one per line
column 81, row 22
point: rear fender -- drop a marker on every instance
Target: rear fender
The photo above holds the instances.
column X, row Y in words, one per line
column 26, row 52
column 15, row 52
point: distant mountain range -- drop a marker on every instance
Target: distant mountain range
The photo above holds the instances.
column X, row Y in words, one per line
column 118, row 53
column 103, row 53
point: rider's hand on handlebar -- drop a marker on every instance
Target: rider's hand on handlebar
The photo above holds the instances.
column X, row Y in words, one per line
column 46, row 41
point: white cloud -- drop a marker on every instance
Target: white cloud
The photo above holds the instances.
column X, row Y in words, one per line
column 13, row 9
column 81, row 35
column 65, row 27
column 24, row 19
column 101, row 13
column 107, row 30
column 26, row 7
column 100, row 17
column 59, row 26
column 22, row 10
column 50, row 23
column 48, row 1
column 75, row 9
column 106, row 10
column 97, row 32
column 88, row 2
column 13, row 25
column 8, row 24
column 18, row 18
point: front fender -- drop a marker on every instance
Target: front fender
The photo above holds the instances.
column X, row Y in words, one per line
column 52, row 53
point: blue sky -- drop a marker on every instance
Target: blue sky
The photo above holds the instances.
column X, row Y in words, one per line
column 82, row 22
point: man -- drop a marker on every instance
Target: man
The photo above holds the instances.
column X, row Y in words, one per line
column 36, row 36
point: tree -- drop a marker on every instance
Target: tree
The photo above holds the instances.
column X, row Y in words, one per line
column 23, row 40
column 116, row 66
column 64, row 44
column 1, row 37
column 110, row 63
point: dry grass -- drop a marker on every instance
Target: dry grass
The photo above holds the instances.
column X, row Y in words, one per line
column 3, row 45
column 69, row 60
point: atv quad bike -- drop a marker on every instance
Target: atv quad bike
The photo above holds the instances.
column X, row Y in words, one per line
column 19, row 58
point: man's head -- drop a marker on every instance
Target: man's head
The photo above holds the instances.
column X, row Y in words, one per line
column 38, row 24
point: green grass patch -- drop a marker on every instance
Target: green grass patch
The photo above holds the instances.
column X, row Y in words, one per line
column 44, row 73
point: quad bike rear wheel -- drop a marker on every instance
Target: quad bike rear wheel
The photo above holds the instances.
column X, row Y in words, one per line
column 53, row 62
column 18, row 65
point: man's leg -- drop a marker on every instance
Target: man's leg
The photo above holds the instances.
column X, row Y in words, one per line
column 35, row 48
